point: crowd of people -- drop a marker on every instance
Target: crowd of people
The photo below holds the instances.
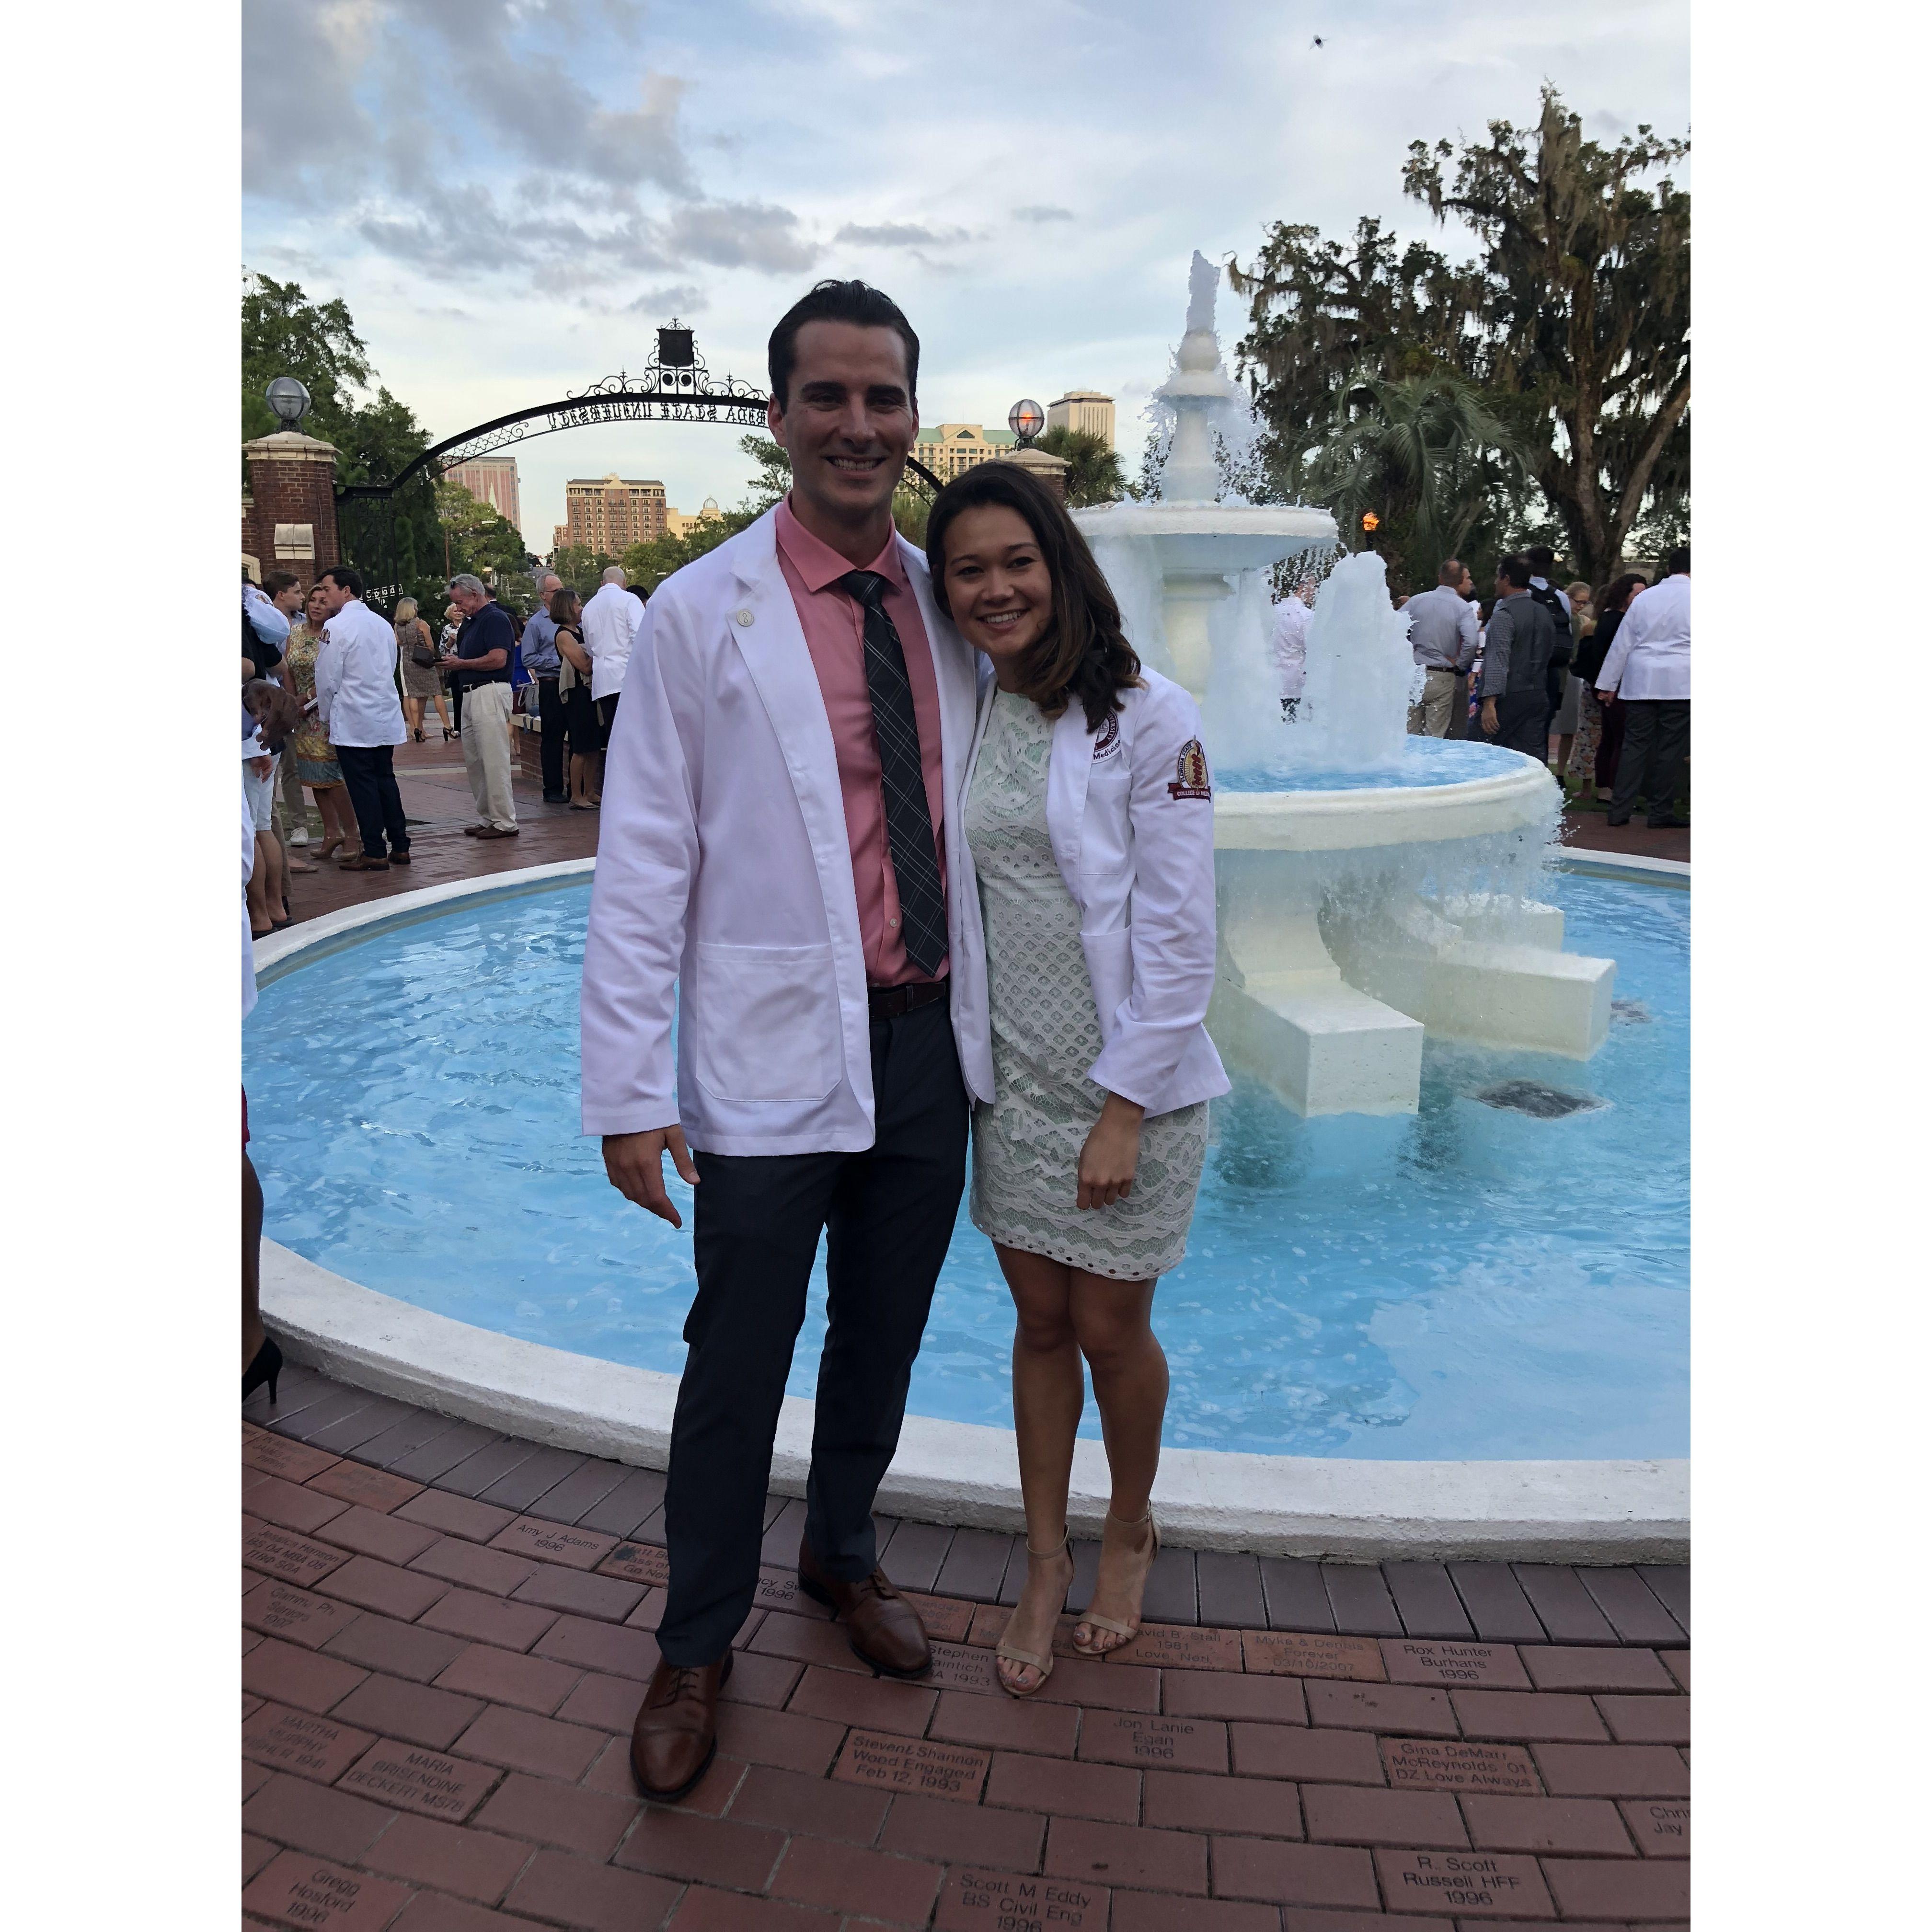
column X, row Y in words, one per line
column 1596, row 683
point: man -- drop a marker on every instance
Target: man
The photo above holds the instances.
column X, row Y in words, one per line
column 1647, row 672
column 795, row 900
column 1542, row 561
column 1292, row 618
column 541, row 661
column 483, row 649
column 283, row 590
column 1516, row 664
column 356, row 700
column 1443, row 634
column 611, row 620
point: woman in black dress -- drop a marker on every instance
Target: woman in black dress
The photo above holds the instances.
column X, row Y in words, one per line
column 579, row 716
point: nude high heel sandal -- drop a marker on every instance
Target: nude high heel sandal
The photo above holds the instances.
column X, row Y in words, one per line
column 1127, row 1633
column 1012, row 1653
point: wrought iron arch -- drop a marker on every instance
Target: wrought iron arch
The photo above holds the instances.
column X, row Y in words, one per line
column 674, row 386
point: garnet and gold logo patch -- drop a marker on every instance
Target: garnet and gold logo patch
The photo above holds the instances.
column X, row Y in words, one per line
column 1190, row 772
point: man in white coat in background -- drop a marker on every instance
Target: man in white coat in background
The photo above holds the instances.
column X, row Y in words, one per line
column 774, row 853
column 610, row 621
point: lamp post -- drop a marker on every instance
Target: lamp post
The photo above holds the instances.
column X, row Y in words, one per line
column 288, row 400
column 1026, row 419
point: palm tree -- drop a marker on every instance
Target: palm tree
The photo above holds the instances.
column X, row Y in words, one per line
column 1425, row 454
column 1093, row 469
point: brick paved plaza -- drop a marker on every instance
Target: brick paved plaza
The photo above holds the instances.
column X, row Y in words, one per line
column 447, row 1633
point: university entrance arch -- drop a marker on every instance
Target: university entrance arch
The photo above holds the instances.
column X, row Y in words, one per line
column 674, row 386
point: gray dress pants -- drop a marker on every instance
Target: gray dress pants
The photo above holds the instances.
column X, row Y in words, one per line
column 1657, row 741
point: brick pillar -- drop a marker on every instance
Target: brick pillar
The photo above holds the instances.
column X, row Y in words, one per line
column 1051, row 470
column 290, row 524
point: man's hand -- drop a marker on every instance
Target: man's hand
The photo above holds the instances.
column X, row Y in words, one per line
column 1112, row 1152
column 635, row 1164
column 1489, row 716
column 261, row 767
column 1607, row 698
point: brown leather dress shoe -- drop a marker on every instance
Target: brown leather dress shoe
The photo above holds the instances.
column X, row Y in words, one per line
column 882, row 1627
column 675, row 1734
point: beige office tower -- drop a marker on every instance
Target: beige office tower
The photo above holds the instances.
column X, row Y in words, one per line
column 1084, row 409
column 609, row 514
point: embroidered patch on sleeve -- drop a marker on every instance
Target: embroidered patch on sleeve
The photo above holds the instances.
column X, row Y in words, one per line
column 1190, row 772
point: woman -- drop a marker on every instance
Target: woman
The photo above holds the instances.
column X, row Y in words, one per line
column 1563, row 726
column 416, row 652
column 1087, row 790
column 1600, row 733
column 451, row 678
column 315, row 757
column 573, row 687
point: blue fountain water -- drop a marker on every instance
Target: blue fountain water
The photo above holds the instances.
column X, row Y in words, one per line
column 1469, row 1282
column 1423, row 761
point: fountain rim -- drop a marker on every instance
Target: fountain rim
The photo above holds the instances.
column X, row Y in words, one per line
column 1624, row 1511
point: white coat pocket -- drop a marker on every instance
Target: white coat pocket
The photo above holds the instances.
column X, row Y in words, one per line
column 766, row 1022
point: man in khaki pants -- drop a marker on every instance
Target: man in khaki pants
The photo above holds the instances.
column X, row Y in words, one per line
column 483, row 649
column 1443, row 634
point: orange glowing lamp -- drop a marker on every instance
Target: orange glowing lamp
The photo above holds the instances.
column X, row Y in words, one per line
column 1370, row 521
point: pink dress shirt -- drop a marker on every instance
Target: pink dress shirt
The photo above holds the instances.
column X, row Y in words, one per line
column 835, row 635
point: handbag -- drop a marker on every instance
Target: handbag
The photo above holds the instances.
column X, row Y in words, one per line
column 421, row 654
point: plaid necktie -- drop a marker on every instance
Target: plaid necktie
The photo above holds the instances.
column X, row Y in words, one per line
column 908, row 823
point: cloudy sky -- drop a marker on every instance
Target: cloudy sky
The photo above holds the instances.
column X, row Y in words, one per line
column 511, row 194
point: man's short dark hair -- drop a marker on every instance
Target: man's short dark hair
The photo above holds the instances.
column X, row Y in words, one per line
column 344, row 578
column 1678, row 563
column 1542, row 560
column 857, row 302
column 277, row 581
column 1450, row 571
column 1515, row 569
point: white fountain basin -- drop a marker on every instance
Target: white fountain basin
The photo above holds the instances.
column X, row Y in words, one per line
column 1337, row 821
column 1213, row 537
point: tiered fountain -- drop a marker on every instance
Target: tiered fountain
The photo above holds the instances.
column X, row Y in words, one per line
column 1372, row 885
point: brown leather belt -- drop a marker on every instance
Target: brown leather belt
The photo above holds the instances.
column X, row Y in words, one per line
column 889, row 1002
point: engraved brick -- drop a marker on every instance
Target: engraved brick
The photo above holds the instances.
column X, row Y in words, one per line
column 889, row 1762
column 279, row 1553
column 1476, row 1885
column 1661, row 1826
column 558, row 1543
column 282, row 1610
column 974, row 1900
column 283, row 1739
column 298, row 1888
column 1447, row 1764
column 1141, row 1738
column 1494, row 1666
column 642, row 1563
column 1311, row 1654
column 411, row 1778
column 1181, row 1647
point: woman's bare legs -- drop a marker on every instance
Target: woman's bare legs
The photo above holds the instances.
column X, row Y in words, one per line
column 412, row 716
column 1111, row 1320
column 1048, row 1392
column 339, row 834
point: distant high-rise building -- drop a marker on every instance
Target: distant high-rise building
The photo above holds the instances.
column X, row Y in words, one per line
column 1084, row 409
column 609, row 514
column 953, row 447
column 492, row 480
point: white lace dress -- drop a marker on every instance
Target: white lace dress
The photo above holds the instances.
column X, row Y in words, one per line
column 1027, row 1142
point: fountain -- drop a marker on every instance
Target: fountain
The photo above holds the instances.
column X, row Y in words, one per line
column 1372, row 886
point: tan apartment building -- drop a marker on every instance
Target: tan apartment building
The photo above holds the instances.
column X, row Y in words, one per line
column 492, row 480
column 609, row 514
column 1084, row 409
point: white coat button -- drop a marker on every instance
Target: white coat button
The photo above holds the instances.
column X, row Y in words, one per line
column 894, row 920
column 743, row 616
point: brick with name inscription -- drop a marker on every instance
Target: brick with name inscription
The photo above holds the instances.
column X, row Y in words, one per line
column 1132, row 1737
column 1661, row 1826
column 297, row 1889
column 1443, row 1764
column 1308, row 1654
column 1423, row 1661
column 637, row 1563
column 947, row 1619
column 554, row 1543
column 1490, row 1884
column 1178, row 1647
column 961, row 1666
column 981, row 1901
column 298, row 1616
column 412, row 1779
column 299, row 1741
column 280, row 1552
column 890, row 1763
column 372, row 1489
column 279, row 1455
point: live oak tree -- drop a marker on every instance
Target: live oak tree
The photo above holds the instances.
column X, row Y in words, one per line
column 1572, row 325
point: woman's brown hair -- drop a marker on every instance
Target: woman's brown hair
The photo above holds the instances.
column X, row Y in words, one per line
column 1083, row 654
column 563, row 606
